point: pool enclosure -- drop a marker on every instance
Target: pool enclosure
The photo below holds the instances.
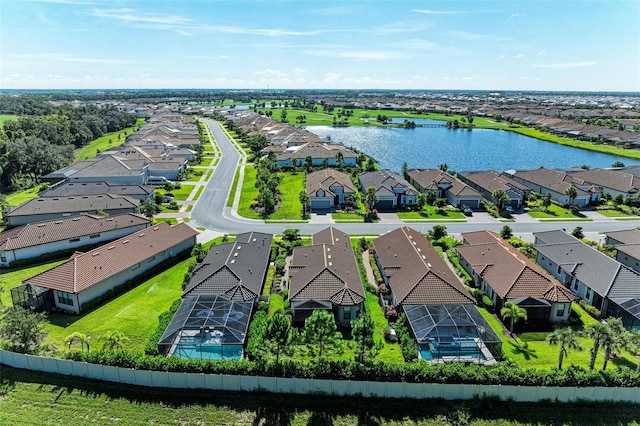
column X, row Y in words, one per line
column 207, row 327
column 453, row 333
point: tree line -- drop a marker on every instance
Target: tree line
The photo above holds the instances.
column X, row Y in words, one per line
column 37, row 144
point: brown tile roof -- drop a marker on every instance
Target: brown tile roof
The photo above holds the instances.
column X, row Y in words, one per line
column 326, row 178
column 84, row 270
column 491, row 180
column 435, row 178
column 552, row 179
column 510, row 273
column 614, row 179
column 316, row 150
column 38, row 233
column 416, row 272
column 326, row 270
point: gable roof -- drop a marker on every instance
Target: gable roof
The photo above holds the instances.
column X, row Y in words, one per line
column 436, row 178
column 510, row 273
column 74, row 189
column 73, row 204
column 491, row 180
column 326, row 178
column 385, row 181
column 416, row 273
column 617, row 180
column 627, row 236
column 315, row 150
column 327, row 270
column 84, row 270
column 38, row 233
column 604, row 275
column 234, row 270
column 551, row 179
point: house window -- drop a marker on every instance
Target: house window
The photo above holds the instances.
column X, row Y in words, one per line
column 151, row 259
column 3, row 258
column 64, row 298
column 559, row 269
column 347, row 313
column 74, row 240
column 575, row 284
column 560, row 309
column 94, row 236
column 136, row 266
column 588, row 294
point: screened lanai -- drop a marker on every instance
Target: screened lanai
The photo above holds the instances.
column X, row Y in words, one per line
column 447, row 333
column 207, row 327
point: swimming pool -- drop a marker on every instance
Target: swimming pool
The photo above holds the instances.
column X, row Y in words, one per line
column 206, row 346
column 454, row 348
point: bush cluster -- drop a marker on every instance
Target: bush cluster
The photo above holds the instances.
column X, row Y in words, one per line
column 591, row 310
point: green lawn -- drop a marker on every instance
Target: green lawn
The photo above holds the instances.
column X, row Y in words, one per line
column 6, row 117
column 19, row 197
column 234, row 186
column 135, row 313
column 615, row 213
column 170, row 220
column 347, row 217
column 430, row 212
column 105, row 142
column 389, row 352
column 205, row 161
column 181, row 194
column 290, row 187
column 554, row 212
column 10, row 278
column 276, row 303
column 198, row 192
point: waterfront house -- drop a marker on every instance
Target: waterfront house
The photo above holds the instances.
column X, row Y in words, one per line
column 546, row 181
column 392, row 190
column 486, row 182
column 446, row 186
column 329, row 188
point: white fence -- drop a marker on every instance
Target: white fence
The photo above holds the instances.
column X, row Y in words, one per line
column 164, row 379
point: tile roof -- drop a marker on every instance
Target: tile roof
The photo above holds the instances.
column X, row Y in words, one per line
column 38, row 233
column 551, row 179
column 510, row 273
column 73, row 204
column 84, row 270
column 385, row 181
column 326, row 178
column 327, row 270
column 435, row 179
column 74, row 189
column 316, row 150
column 416, row 273
column 491, row 180
column 604, row 275
column 615, row 179
column 234, row 270
column 627, row 236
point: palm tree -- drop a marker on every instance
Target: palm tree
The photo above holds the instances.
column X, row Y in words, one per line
column 113, row 339
column 599, row 332
column 615, row 340
column 339, row 160
column 501, row 198
column 514, row 313
column 572, row 193
column 79, row 338
column 371, row 198
column 304, row 199
column 634, row 345
column 567, row 339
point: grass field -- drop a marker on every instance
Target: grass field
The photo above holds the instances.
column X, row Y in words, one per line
column 389, row 352
column 135, row 313
column 181, row 194
column 430, row 212
column 554, row 212
column 290, row 187
column 29, row 398
column 105, row 142
column 6, row 117
column 10, row 278
column 19, row 197
column 615, row 213
column 234, row 186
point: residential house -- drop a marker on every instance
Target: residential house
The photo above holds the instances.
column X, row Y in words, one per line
column 613, row 182
column 325, row 276
column 87, row 276
column 601, row 281
column 105, row 168
column 506, row 275
column 392, row 190
column 329, row 188
column 320, row 153
column 446, row 186
column 236, row 271
column 546, row 181
column 42, row 209
column 627, row 244
column 486, row 182
column 78, row 189
column 59, row 235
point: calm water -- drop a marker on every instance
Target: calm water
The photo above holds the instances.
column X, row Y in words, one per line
column 477, row 149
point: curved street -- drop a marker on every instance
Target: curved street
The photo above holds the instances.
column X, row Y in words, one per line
column 211, row 212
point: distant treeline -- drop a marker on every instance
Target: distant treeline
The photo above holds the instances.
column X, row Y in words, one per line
column 43, row 138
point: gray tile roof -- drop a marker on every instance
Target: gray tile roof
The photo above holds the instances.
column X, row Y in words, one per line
column 235, row 270
column 327, row 270
column 551, row 179
column 604, row 275
column 73, row 204
column 554, row 237
column 72, row 189
column 385, row 181
column 416, row 273
column 627, row 236
column 325, row 179
column 614, row 179
column 491, row 180
column 39, row 233
column 436, row 179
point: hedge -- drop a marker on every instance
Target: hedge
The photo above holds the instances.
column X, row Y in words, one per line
column 503, row 373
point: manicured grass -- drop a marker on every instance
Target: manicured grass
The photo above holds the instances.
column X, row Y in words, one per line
column 430, row 212
column 10, row 278
column 290, row 207
column 105, row 142
column 234, row 186
column 205, row 161
column 209, row 173
column 169, row 220
column 6, row 117
column 181, row 194
column 19, row 197
column 347, row 217
column 276, row 303
column 198, row 192
column 615, row 213
column 268, row 281
column 135, row 313
column 389, row 352
column 554, row 212
column 189, row 207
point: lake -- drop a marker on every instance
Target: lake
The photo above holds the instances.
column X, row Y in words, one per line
column 461, row 149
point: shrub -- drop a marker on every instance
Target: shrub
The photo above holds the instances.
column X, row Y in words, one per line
column 487, row 302
column 151, row 348
column 390, row 313
column 591, row 310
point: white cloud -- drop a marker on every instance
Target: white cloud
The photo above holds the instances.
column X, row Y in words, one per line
column 514, row 15
column 271, row 72
column 542, row 53
column 331, row 77
column 134, row 16
column 567, row 65
column 439, row 12
column 70, row 57
column 358, row 55
column 463, row 35
column 502, row 56
column 184, row 33
column 518, row 56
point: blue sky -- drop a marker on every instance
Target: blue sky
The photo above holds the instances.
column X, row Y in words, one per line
column 370, row 44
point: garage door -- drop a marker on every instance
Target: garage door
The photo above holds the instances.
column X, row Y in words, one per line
column 320, row 204
column 384, row 204
column 474, row 204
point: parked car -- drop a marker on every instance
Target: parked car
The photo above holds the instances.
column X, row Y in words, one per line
column 466, row 210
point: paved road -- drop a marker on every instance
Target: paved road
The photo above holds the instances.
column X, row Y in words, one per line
column 211, row 212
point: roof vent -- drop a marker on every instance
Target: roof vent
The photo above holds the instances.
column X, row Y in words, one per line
column 233, row 261
column 110, row 248
column 428, row 264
